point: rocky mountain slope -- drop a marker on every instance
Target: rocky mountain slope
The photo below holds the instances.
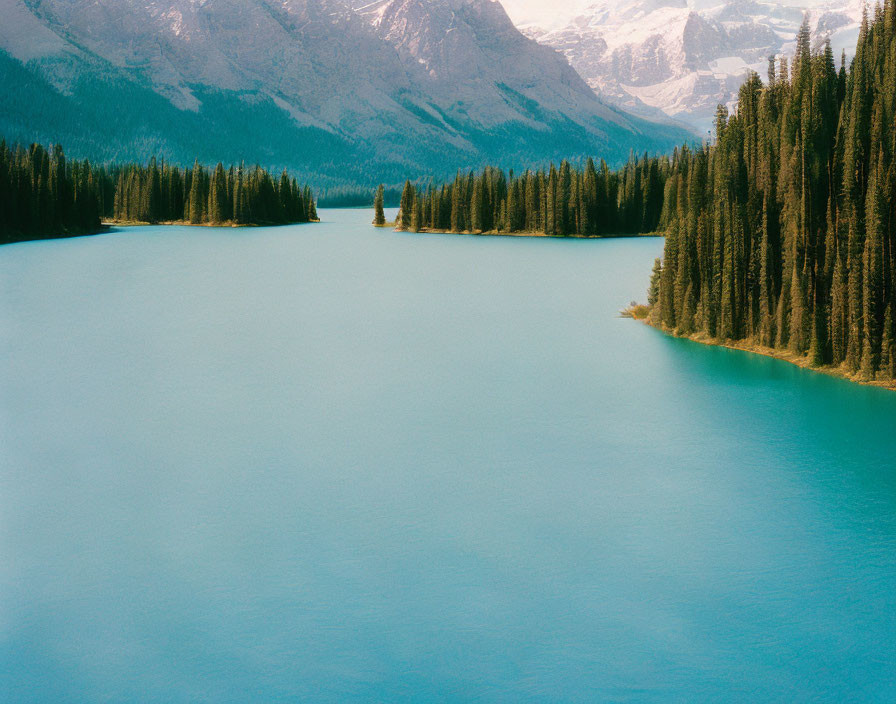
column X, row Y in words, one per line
column 405, row 86
column 683, row 57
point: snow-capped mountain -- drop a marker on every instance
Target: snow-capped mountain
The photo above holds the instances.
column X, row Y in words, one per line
column 684, row 57
column 418, row 84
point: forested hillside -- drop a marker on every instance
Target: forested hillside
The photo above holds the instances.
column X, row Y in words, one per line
column 342, row 94
column 783, row 232
column 44, row 195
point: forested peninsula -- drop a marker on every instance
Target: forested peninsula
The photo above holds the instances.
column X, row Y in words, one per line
column 43, row 195
column 781, row 236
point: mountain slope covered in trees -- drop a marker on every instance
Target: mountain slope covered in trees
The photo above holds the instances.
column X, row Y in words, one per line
column 340, row 92
column 783, row 233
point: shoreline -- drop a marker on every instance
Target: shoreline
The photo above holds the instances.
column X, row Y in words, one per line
column 797, row 360
column 495, row 233
column 186, row 223
column 102, row 229
column 107, row 225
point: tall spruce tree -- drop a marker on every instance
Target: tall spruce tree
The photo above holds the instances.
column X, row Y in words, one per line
column 379, row 216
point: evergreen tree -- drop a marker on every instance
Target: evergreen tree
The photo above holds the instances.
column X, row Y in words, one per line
column 406, row 208
column 379, row 217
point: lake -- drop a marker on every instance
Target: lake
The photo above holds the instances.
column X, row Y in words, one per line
column 335, row 463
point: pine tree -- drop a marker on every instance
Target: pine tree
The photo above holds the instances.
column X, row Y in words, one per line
column 379, row 217
column 406, row 208
column 476, row 207
column 197, row 212
column 217, row 197
column 417, row 213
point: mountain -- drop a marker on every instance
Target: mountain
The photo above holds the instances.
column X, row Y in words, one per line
column 681, row 58
column 350, row 93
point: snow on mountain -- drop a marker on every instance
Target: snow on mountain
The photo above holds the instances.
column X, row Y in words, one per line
column 681, row 58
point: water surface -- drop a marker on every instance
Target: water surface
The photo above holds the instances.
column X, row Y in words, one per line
column 334, row 463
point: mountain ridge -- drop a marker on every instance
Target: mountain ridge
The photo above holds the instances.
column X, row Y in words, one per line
column 412, row 86
column 681, row 58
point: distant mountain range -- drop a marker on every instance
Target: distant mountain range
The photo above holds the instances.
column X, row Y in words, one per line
column 681, row 58
column 343, row 92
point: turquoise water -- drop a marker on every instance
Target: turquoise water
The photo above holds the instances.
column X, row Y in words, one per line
column 333, row 463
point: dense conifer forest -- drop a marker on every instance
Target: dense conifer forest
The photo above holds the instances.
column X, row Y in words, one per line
column 163, row 193
column 783, row 232
column 356, row 196
column 44, row 195
column 564, row 201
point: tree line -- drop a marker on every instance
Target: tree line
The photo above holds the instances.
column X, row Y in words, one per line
column 45, row 195
column 783, row 232
column 354, row 196
column 558, row 201
column 163, row 192
column 42, row 193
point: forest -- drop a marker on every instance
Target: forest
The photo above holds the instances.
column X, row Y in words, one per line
column 783, row 232
column 557, row 201
column 348, row 196
column 43, row 195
